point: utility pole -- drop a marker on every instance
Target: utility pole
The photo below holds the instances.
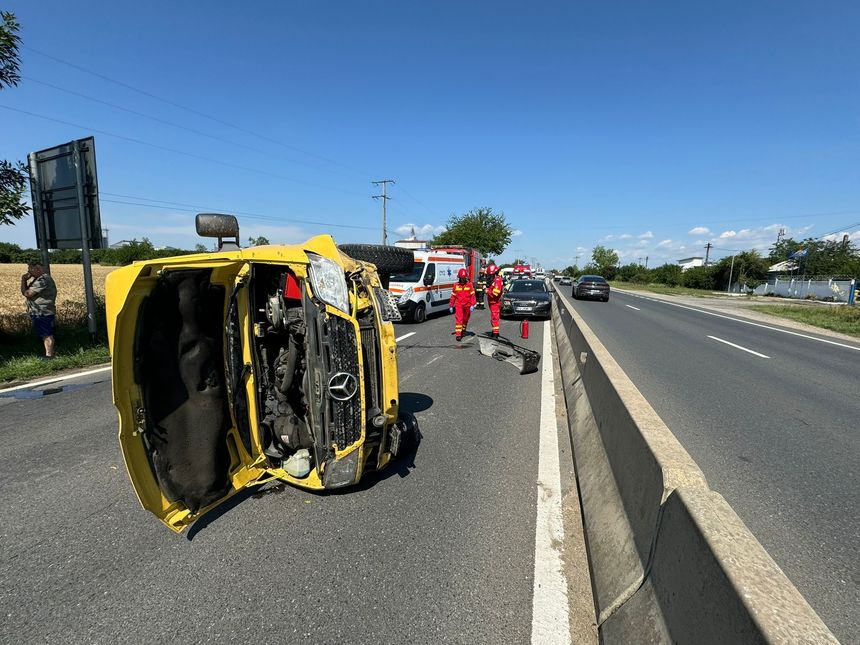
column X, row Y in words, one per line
column 708, row 248
column 384, row 197
column 577, row 260
column 646, row 261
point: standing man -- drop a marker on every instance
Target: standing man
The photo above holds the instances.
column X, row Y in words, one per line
column 462, row 302
column 41, row 295
column 481, row 287
column 494, row 297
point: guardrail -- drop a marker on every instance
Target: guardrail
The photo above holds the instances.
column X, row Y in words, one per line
column 671, row 562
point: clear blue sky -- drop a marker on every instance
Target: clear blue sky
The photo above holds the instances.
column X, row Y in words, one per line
column 625, row 123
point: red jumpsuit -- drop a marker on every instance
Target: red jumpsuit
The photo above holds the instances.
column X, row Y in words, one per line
column 462, row 299
column 494, row 301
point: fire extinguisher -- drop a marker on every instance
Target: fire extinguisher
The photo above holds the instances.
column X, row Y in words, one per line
column 524, row 328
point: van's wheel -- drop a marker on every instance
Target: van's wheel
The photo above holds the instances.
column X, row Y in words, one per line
column 388, row 259
column 419, row 314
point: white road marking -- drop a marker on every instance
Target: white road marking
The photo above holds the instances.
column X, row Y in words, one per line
column 57, row 379
column 549, row 600
column 720, row 340
column 754, row 324
column 411, row 333
column 632, row 307
column 433, row 360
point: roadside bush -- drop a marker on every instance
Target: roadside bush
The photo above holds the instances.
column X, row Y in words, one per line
column 698, row 278
column 668, row 274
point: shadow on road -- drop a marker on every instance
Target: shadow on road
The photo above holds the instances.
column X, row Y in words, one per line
column 410, row 403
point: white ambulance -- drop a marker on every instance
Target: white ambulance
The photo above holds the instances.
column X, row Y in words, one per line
column 427, row 288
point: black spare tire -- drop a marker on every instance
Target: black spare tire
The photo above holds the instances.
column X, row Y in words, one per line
column 388, row 259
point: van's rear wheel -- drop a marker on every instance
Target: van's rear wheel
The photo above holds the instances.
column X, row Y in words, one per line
column 419, row 314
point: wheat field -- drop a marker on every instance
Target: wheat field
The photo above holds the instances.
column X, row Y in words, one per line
column 71, row 301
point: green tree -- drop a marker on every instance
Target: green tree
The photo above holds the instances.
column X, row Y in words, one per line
column 13, row 175
column 480, row 229
column 572, row 271
column 604, row 259
column 750, row 269
column 258, row 241
column 669, row 274
column 199, row 248
column 698, row 278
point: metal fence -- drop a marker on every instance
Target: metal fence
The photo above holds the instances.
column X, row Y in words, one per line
column 801, row 287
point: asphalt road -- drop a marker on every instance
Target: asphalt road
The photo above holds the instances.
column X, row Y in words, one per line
column 438, row 549
column 777, row 432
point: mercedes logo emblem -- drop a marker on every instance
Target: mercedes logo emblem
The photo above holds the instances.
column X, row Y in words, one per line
column 342, row 386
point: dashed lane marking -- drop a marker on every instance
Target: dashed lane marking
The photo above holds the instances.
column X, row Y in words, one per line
column 743, row 349
column 749, row 322
column 404, row 336
column 632, row 307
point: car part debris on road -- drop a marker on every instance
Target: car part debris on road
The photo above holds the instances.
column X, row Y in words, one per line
column 501, row 349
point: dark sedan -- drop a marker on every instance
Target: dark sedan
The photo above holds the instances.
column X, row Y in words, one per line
column 591, row 286
column 526, row 298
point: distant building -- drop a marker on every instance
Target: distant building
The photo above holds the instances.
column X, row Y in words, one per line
column 689, row 263
column 786, row 266
column 412, row 243
column 121, row 244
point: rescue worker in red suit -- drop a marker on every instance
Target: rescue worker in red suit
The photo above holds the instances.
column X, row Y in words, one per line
column 462, row 302
column 494, row 297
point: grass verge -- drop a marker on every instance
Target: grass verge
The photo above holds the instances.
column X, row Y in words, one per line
column 845, row 320
column 664, row 289
column 19, row 353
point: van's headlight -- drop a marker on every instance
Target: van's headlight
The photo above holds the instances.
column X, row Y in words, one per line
column 341, row 472
column 405, row 296
column 507, row 302
column 328, row 282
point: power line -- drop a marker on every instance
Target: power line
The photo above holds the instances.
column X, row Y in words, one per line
column 191, row 110
column 196, row 209
column 417, row 201
column 175, row 125
column 181, row 152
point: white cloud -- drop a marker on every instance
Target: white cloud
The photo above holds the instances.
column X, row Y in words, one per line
column 606, row 238
column 664, row 243
column 625, row 236
column 647, row 235
column 641, row 244
column 727, row 234
column 422, row 231
column 699, row 230
column 516, row 232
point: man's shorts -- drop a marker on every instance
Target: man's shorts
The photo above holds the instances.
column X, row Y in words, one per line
column 44, row 325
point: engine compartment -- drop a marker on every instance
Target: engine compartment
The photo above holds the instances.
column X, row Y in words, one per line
column 280, row 337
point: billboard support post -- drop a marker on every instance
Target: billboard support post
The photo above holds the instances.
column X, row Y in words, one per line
column 85, row 240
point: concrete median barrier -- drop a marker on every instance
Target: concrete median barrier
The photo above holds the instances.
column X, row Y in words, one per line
column 670, row 561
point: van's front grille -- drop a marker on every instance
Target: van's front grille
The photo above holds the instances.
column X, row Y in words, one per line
column 341, row 356
column 370, row 356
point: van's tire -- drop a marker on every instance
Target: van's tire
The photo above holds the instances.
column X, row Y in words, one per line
column 419, row 314
column 388, row 259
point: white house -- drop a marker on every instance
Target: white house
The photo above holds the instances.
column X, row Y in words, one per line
column 412, row 243
column 689, row 263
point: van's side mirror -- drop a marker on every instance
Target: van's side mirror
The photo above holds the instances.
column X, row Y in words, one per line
column 428, row 280
column 220, row 226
